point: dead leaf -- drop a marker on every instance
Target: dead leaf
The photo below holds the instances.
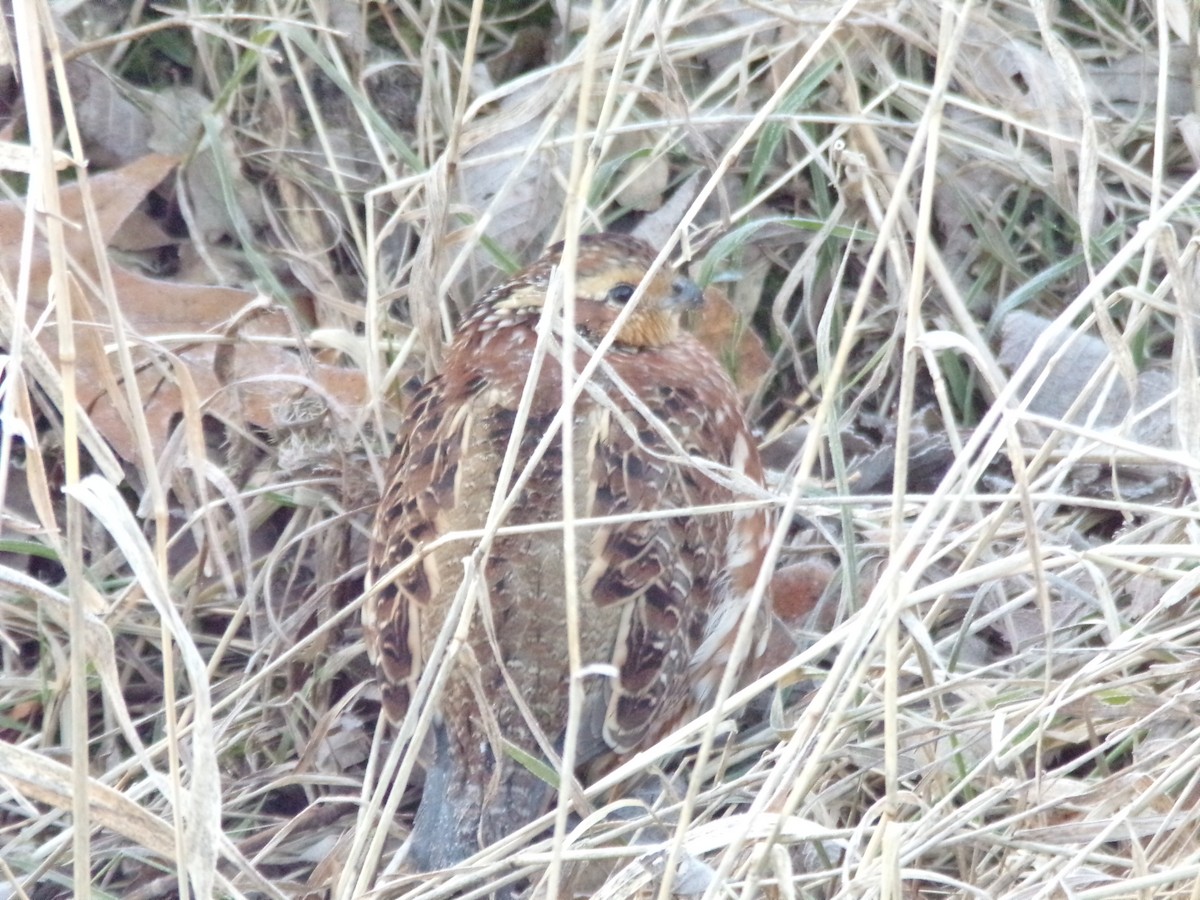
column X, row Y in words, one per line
column 114, row 128
column 1131, row 84
column 177, row 332
column 1134, row 400
column 513, row 163
column 656, row 227
column 738, row 347
column 644, row 175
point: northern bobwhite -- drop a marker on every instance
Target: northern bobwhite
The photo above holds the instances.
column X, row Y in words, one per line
column 658, row 429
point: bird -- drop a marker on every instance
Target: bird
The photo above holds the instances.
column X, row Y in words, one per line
column 663, row 580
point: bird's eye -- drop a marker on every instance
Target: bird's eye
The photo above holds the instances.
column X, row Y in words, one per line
column 620, row 293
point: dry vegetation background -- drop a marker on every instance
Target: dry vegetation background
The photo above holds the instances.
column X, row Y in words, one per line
column 958, row 246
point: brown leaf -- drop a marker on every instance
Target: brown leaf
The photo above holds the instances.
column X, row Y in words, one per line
column 115, row 195
column 738, row 347
column 174, row 330
column 238, row 370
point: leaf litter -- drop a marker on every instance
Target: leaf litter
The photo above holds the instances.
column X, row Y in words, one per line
column 983, row 678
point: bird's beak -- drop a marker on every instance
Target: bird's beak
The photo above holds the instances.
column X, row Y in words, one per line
column 685, row 294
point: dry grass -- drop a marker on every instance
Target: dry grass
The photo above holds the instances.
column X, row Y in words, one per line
column 999, row 698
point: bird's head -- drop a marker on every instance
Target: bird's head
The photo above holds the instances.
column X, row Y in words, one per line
column 608, row 270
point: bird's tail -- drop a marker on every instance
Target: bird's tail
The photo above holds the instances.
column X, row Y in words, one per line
column 465, row 808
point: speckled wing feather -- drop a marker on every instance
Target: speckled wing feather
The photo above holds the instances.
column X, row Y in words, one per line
column 420, row 486
column 671, row 570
